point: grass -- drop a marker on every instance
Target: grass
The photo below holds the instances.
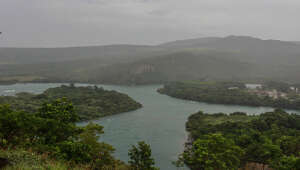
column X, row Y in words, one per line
column 20, row 159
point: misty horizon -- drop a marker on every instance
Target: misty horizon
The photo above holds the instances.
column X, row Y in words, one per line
column 66, row 23
column 157, row 44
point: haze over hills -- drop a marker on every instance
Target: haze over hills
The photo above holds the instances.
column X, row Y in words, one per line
column 297, row 42
column 251, row 49
column 232, row 57
column 52, row 55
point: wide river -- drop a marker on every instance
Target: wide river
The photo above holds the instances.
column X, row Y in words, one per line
column 161, row 121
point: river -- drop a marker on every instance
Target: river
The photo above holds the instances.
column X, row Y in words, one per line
column 161, row 121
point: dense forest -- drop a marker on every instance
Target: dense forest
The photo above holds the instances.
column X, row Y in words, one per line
column 90, row 102
column 234, row 93
column 49, row 139
column 222, row 141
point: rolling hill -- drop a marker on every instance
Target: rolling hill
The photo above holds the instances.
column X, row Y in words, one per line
column 232, row 57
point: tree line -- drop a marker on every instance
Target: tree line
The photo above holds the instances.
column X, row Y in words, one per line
column 225, row 93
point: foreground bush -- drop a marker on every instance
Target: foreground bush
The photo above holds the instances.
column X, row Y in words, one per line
column 50, row 139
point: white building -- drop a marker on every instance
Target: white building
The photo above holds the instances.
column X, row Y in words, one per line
column 253, row 86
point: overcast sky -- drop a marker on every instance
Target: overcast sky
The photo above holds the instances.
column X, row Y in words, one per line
column 52, row 23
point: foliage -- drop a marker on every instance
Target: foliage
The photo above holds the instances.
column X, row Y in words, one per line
column 271, row 138
column 233, row 93
column 287, row 163
column 213, row 152
column 102, row 152
column 140, row 157
column 52, row 131
column 89, row 102
column 28, row 160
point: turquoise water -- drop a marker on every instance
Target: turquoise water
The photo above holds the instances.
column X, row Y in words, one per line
column 161, row 121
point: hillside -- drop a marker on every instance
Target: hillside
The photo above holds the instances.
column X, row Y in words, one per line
column 251, row 49
column 54, row 55
column 232, row 57
column 172, row 67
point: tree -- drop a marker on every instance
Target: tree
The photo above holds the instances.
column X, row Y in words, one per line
column 57, row 122
column 102, row 152
column 213, row 152
column 261, row 149
column 287, row 163
column 15, row 126
column 140, row 157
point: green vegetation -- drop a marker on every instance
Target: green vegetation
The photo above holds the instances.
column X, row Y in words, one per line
column 234, row 93
column 50, row 139
column 213, row 152
column 140, row 157
column 26, row 160
column 235, row 141
column 89, row 102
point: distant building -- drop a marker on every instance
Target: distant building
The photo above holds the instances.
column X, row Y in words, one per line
column 233, row 88
column 295, row 89
column 253, row 86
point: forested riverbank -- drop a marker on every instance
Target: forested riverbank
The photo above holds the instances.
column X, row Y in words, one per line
column 231, row 93
column 90, row 102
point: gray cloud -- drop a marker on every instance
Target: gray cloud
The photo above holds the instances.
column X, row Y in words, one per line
column 97, row 22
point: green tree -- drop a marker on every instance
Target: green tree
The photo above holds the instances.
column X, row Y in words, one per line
column 140, row 157
column 15, row 126
column 102, row 152
column 213, row 152
column 261, row 149
column 57, row 122
column 287, row 163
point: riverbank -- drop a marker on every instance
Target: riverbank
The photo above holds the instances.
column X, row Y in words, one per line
column 228, row 93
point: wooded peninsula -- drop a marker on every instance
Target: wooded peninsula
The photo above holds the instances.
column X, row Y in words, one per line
column 270, row 94
column 89, row 102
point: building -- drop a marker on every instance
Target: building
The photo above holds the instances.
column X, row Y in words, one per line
column 253, row 86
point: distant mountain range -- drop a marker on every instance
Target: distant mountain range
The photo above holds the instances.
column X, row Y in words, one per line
column 232, row 57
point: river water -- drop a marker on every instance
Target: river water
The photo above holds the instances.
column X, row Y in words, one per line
column 161, row 121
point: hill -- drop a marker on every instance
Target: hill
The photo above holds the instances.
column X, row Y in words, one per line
column 54, row 55
column 177, row 66
column 251, row 49
column 232, row 57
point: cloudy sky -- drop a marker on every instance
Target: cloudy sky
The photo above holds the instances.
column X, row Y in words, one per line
column 52, row 23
